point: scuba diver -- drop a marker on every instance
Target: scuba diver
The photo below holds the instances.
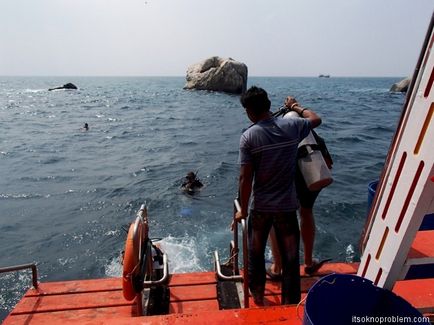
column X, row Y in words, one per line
column 191, row 183
column 85, row 127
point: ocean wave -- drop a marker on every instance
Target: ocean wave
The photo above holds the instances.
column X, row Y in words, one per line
column 12, row 287
column 188, row 143
column 183, row 253
column 379, row 128
column 52, row 160
column 35, row 90
column 46, row 178
column 6, row 196
column 183, row 256
column 350, row 139
column 114, row 268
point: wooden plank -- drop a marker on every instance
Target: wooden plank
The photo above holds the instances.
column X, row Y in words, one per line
column 46, row 288
column 193, row 306
column 190, row 292
column 274, row 287
column 422, row 249
column 267, row 315
column 264, row 315
column 179, row 279
column 197, row 292
column 272, row 299
column 72, row 301
column 328, row 268
column 82, row 316
column 418, row 293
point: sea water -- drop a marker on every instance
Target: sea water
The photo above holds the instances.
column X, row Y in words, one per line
column 67, row 195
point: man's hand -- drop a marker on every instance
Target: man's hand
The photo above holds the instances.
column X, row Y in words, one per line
column 290, row 101
column 238, row 217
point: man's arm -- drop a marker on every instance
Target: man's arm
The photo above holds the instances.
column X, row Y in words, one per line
column 292, row 104
column 246, row 178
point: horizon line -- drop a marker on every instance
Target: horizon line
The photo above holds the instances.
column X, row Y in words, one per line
column 183, row 76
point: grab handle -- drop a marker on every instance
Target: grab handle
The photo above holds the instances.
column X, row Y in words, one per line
column 163, row 279
column 23, row 267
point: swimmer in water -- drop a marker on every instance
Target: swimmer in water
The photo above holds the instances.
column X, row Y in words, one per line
column 191, row 183
column 85, row 127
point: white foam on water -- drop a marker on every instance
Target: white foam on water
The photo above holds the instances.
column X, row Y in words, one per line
column 34, row 90
column 349, row 253
column 182, row 254
column 15, row 286
column 114, row 268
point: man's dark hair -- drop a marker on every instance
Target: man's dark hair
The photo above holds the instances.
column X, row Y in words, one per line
column 256, row 100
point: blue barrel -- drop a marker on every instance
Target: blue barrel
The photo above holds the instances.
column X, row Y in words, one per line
column 350, row 299
column 372, row 187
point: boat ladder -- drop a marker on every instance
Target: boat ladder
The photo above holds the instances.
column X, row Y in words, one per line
column 392, row 243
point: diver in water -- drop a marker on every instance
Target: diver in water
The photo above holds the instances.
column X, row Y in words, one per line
column 191, row 183
column 85, row 127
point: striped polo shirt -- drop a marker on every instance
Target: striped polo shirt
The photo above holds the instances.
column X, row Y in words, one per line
column 271, row 146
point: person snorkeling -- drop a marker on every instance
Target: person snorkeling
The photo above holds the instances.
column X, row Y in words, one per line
column 191, row 183
column 85, row 127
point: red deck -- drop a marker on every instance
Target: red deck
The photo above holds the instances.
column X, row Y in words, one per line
column 193, row 299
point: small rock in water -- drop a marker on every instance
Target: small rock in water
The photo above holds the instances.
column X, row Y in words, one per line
column 401, row 86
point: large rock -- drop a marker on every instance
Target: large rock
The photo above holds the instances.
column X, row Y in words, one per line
column 217, row 74
column 401, row 86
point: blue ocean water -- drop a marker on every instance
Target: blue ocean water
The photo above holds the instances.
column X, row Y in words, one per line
column 66, row 195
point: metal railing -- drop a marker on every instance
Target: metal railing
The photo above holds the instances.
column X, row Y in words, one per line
column 144, row 246
column 15, row 268
column 163, row 279
column 233, row 260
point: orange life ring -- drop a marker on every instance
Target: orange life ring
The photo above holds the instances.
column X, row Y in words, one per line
column 131, row 261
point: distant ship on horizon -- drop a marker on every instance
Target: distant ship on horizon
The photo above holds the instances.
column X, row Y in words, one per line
column 324, row 76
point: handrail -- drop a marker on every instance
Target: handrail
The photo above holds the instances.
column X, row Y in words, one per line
column 219, row 270
column 245, row 255
column 235, row 251
column 234, row 257
column 163, row 278
column 23, row 267
column 246, row 265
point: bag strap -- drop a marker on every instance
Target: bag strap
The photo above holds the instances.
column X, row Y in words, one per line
column 323, row 148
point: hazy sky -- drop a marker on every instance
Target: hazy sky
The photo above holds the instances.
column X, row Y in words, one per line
column 163, row 37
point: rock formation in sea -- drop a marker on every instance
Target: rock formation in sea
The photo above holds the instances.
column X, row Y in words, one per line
column 401, row 86
column 65, row 86
column 218, row 74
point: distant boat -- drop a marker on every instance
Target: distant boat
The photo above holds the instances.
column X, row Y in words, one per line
column 324, row 76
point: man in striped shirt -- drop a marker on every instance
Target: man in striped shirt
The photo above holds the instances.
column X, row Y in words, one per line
column 268, row 151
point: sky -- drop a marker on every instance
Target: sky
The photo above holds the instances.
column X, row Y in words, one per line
column 164, row 37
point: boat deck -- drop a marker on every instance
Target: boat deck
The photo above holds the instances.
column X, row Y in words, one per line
column 193, row 298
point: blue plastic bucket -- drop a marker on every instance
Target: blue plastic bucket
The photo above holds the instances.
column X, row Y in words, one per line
column 372, row 187
column 350, row 299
